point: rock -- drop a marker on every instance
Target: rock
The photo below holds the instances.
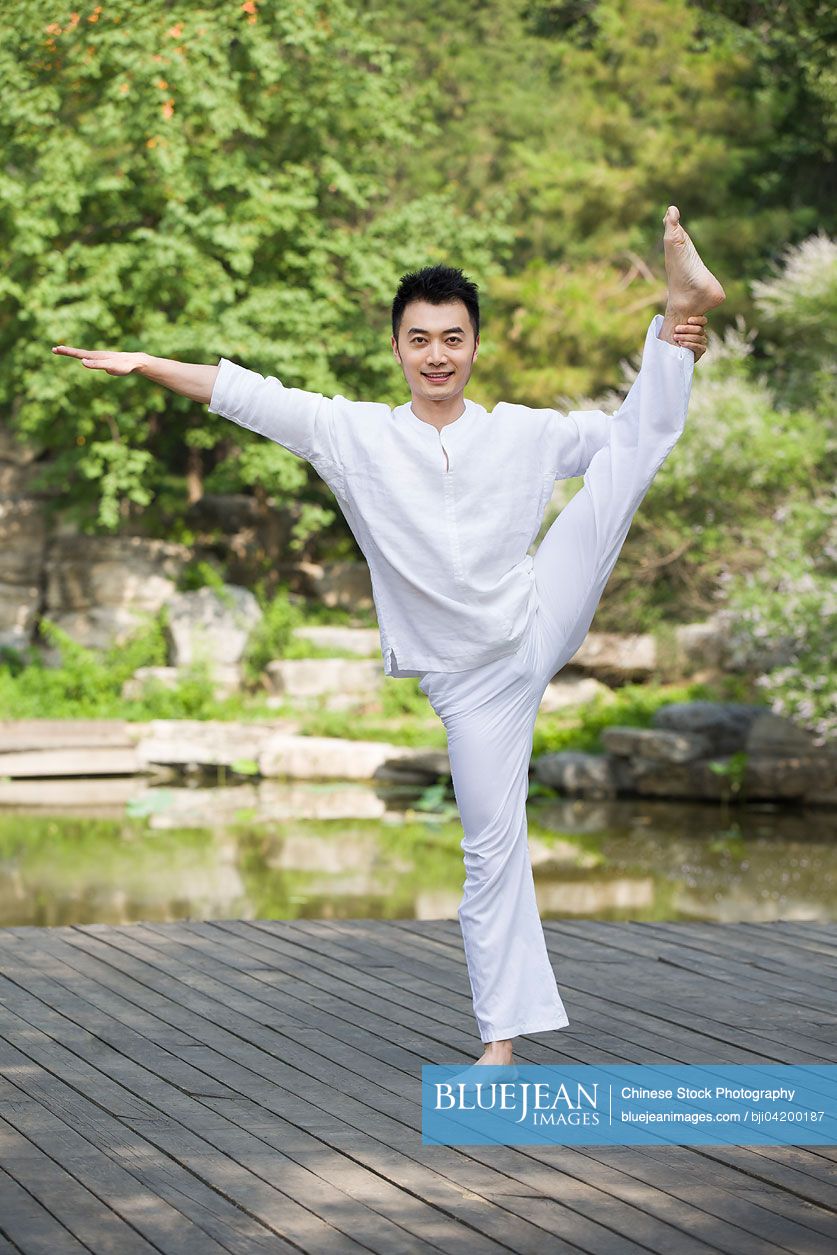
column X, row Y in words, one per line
column 346, row 584
column 124, row 572
column 226, row 680
column 575, row 772
column 330, row 758
column 794, row 777
column 174, row 742
column 22, row 539
column 101, row 761
column 573, row 691
column 311, row 677
column 19, row 604
column 212, row 623
column 655, row 744
column 422, row 767
column 700, row 645
column 610, row 653
column 355, row 640
column 774, row 735
column 726, row 724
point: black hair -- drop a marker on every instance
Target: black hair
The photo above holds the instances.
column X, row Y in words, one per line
column 438, row 285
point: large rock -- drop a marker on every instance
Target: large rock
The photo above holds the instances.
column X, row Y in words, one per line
column 211, row 623
column 23, row 533
column 573, row 691
column 725, row 724
column 311, row 677
column 354, row 640
column 344, row 584
column 102, row 589
column 330, row 758
column 226, row 680
column 612, row 654
column 577, row 773
column 655, row 744
column 181, row 742
column 771, row 734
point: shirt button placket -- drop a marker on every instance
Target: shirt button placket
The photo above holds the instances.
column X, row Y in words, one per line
column 450, row 510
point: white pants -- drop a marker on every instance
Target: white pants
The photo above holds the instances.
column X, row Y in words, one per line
column 489, row 715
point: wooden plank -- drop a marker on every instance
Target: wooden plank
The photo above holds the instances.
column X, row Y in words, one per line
column 100, row 760
column 768, row 1229
column 48, row 1199
column 307, row 1039
column 193, row 1146
column 291, row 1107
column 29, row 1225
column 336, row 1050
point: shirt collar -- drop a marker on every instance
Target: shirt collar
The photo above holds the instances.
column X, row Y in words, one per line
column 406, row 412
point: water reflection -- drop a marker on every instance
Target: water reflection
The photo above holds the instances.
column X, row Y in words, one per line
column 283, row 851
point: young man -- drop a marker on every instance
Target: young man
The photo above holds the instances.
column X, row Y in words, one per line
column 444, row 500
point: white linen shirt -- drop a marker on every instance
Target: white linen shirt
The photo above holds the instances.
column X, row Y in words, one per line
column 446, row 539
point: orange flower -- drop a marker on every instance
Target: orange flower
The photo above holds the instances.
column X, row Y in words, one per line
column 168, row 108
column 249, row 6
column 94, row 16
column 174, row 32
column 152, row 142
column 124, row 88
column 161, row 83
column 53, row 29
column 75, row 18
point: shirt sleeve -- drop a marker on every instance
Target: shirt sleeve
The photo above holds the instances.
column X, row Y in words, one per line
column 575, row 438
column 302, row 422
column 652, row 414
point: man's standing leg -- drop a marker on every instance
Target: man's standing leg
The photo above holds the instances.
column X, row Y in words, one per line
column 489, row 715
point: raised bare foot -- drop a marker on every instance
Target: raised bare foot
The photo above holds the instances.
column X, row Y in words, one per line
column 497, row 1053
column 692, row 288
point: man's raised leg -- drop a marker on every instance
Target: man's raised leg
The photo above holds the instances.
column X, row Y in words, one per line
column 578, row 553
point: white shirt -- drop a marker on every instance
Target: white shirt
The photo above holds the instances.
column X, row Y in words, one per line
column 446, row 537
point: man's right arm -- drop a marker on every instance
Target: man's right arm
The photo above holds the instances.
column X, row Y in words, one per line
column 193, row 381
column 303, row 422
column 190, row 380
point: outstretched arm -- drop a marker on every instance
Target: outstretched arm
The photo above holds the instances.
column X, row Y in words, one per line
column 300, row 421
column 193, row 381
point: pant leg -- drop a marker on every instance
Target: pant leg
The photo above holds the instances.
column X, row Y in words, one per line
column 489, row 714
column 579, row 551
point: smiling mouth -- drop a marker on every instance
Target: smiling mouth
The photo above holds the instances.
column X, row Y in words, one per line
column 438, row 377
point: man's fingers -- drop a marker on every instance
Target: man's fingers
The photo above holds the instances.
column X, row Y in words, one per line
column 67, row 351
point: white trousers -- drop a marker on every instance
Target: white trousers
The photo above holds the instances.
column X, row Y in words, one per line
column 489, row 714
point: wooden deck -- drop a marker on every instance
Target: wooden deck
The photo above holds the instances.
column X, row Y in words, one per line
column 230, row 1086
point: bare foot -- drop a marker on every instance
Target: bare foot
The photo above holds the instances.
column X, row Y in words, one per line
column 692, row 288
column 497, row 1053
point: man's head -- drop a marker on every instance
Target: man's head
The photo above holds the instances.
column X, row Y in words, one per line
column 435, row 331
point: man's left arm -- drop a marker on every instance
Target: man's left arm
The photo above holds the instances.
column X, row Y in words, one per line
column 578, row 435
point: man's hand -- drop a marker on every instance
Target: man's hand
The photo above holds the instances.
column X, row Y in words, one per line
column 189, row 379
column 692, row 335
column 102, row 359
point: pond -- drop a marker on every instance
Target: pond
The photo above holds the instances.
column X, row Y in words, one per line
column 347, row 850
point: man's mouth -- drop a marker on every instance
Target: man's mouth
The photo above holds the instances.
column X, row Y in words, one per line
column 437, row 376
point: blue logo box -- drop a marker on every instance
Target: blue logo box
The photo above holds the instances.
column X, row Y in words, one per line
column 693, row 1104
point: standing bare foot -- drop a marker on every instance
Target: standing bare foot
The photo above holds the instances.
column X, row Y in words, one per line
column 692, row 288
column 498, row 1053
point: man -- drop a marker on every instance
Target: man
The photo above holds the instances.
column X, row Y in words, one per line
column 444, row 500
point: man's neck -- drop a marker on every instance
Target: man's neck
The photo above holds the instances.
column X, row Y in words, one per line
column 439, row 413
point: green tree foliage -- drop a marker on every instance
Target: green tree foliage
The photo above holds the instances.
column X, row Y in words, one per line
column 196, row 180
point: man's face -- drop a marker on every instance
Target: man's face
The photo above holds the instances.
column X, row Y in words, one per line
column 436, row 349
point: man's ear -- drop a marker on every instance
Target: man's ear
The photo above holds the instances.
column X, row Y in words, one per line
column 476, row 349
column 395, row 352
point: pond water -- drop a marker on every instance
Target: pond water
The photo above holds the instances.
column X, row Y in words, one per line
column 343, row 851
